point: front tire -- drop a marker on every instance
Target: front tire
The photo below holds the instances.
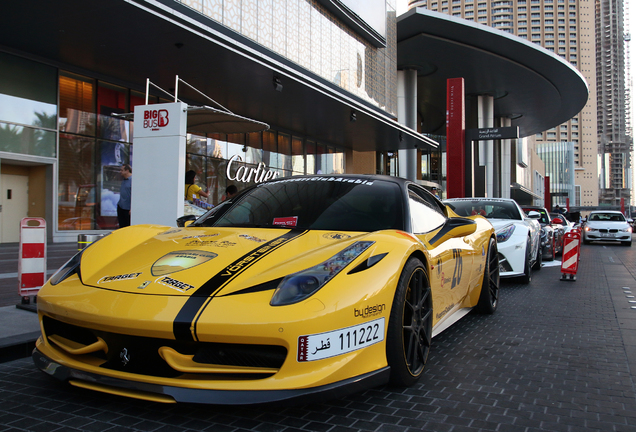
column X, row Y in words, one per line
column 527, row 268
column 489, row 297
column 410, row 325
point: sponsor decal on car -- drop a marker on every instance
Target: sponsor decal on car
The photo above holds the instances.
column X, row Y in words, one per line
column 176, row 261
column 213, row 243
column 252, row 238
column 199, row 236
column 445, row 311
column 118, row 277
column 336, row 236
column 328, row 179
column 174, row 284
column 286, row 221
column 342, row 341
column 369, row 311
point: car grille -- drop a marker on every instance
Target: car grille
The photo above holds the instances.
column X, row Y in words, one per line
column 608, row 230
column 164, row 357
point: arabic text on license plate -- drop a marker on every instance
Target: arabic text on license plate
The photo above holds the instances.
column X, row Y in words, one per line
column 342, row 341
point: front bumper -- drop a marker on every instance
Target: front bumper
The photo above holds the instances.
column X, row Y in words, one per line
column 172, row 394
column 607, row 236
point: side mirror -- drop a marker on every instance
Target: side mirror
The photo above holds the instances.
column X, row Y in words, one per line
column 184, row 221
column 534, row 215
column 454, row 228
column 557, row 221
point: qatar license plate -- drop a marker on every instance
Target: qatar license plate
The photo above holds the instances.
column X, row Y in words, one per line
column 607, row 234
column 342, row 341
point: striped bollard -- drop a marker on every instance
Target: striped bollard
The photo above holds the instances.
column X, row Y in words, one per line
column 571, row 255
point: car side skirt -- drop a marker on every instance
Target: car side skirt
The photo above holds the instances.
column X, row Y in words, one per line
column 171, row 394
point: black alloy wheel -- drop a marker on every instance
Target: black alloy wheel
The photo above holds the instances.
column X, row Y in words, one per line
column 527, row 268
column 410, row 325
column 489, row 297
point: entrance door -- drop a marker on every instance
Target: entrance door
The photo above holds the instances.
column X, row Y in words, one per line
column 14, row 198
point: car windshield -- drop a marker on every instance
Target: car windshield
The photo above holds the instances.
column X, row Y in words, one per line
column 319, row 203
column 489, row 209
column 607, row 217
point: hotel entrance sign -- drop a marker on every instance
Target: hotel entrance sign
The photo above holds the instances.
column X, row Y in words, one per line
column 487, row 134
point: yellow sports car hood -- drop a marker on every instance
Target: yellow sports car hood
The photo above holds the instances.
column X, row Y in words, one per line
column 184, row 261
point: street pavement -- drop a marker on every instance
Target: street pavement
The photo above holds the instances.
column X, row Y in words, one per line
column 556, row 356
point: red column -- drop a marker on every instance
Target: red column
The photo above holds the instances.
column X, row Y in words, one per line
column 455, row 139
column 547, row 200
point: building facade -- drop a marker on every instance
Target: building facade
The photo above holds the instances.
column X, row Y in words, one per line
column 567, row 28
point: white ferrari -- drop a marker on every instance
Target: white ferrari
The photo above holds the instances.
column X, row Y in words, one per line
column 518, row 236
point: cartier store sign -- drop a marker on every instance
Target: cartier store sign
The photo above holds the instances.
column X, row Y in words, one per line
column 245, row 174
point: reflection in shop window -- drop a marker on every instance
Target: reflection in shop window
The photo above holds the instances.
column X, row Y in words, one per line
column 297, row 157
column 77, row 100
column 76, row 194
column 112, row 99
column 310, row 149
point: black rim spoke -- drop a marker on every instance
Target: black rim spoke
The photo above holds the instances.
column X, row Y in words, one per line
column 417, row 316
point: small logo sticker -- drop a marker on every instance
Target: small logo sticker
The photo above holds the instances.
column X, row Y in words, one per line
column 336, row 236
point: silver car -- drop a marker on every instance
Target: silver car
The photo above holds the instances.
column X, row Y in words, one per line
column 607, row 225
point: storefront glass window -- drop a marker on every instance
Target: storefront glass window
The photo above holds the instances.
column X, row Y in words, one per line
column 112, row 100
column 26, row 140
column 310, row 148
column 284, row 155
column 28, row 92
column 76, row 185
column 297, row 157
column 77, row 102
column 112, row 155
column 270, row 155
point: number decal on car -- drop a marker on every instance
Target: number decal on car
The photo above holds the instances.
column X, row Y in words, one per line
column 459, row 267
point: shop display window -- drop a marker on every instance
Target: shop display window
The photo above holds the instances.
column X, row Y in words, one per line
column 297, row 156
column 77, row 102
column 111, row 100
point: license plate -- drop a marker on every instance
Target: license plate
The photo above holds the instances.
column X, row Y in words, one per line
column 607, row 235
column 342, row 341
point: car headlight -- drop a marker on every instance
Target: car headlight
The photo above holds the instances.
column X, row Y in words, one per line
column 298, row 286
column 505, row 233
column 628, row 229
column 71, row 267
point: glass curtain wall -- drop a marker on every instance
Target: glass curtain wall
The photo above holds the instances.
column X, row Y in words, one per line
column 28, row 107
column 244, row 160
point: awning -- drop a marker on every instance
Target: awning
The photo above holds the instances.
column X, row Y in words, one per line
column 205, row 119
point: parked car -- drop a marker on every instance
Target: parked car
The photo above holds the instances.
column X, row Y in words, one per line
column 551, row 235
column 518, row 236
column 608, row 225
column 298, row 288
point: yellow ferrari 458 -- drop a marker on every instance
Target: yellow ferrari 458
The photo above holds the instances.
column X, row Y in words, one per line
column 302, row 287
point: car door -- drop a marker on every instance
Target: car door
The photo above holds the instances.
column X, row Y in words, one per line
column 451, row 259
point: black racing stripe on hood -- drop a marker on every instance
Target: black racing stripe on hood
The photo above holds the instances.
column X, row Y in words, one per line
column 184, row 325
